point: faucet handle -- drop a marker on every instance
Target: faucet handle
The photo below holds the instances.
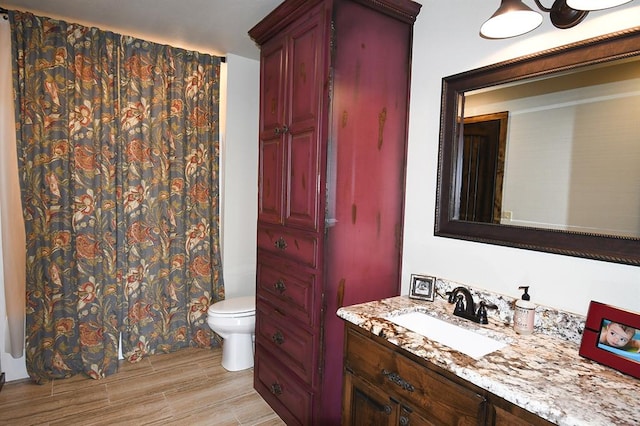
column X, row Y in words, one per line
column 459, row 305
column 482, row 312
column 452, row 296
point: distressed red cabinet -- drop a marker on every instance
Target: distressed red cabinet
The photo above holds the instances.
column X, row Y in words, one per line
column 334, row 79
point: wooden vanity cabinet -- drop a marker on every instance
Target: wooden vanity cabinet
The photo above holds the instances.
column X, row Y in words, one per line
column 384, row 385
column 334, row 96
column 428, row 396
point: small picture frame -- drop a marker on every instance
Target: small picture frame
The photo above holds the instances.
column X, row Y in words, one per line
column 612, row 337
column 422, row 287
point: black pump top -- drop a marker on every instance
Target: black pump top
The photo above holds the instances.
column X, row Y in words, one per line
column 525, row 296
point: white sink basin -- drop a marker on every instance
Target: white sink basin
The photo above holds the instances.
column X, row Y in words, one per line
column 462, row 340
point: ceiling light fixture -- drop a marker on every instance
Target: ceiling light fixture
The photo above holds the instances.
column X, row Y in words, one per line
column 514, row 18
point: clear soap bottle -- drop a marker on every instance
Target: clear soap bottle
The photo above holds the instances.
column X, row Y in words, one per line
column 524, row 313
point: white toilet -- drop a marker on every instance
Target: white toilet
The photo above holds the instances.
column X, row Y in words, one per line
column 234, row 320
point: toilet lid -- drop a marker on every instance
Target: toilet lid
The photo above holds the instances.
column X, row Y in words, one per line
column 235, row 306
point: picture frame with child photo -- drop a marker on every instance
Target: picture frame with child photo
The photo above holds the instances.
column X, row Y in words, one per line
column 612, row 337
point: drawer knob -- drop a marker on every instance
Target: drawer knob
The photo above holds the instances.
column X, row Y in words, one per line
column 396, row 379
column 276, row 389
column 279, row 286
column 281, row 131
column 280, row 244
column 277, row 338
column 404, row 421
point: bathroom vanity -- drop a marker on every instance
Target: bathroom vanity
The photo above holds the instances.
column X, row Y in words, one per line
column 393, row 375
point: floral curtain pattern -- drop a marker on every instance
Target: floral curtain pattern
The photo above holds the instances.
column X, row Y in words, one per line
column 169, row 190
column 117, row 154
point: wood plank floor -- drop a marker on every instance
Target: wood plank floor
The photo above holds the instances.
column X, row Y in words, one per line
column 188, row 387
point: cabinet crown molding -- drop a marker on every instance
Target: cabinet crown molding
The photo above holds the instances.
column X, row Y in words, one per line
column 290, row 11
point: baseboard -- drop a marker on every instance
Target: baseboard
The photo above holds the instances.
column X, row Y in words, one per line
column 1, row 380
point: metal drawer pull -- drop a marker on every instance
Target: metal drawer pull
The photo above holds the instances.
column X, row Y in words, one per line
column 280, row 244
column 396, row 379
column 277, row 338
column 276, row 389
column 404, row 421
column 279, row 286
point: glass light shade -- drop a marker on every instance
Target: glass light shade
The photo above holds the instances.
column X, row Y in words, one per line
column 512, row 18
column 594, row 4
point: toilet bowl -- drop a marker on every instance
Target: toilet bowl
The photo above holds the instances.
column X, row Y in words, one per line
column 234, row 320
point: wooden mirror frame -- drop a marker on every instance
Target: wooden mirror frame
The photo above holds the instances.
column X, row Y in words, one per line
column 618, row 45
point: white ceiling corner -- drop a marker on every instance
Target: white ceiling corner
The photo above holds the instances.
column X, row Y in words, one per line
column 217, row 27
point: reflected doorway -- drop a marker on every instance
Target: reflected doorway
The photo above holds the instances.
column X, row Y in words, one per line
column 485, row 138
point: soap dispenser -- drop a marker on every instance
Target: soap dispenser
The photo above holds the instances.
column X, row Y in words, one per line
column 525, row 313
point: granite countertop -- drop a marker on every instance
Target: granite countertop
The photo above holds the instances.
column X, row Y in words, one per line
column 542, row 372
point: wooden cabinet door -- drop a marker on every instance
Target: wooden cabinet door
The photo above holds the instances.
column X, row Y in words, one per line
column 304, row 90
column 366, row 405
column 291, row 91
column 272, row 149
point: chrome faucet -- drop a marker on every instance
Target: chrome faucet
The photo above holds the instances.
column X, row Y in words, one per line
column 466, row 307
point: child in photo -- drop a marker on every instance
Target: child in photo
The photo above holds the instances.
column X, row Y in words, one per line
column 619, row 336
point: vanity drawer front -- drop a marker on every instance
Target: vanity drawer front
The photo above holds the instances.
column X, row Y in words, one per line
column 291, row 399
column 437, row 397
column 291, row 344
column 288, row 289
column 508, row 414
column 297, row 246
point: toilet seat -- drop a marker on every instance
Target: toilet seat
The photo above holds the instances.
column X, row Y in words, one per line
column 236, row 307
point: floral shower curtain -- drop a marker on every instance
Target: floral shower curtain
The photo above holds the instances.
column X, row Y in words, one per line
column 117, row 153
column 169, row 189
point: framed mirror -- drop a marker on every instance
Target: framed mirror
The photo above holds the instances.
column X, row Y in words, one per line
column 542, row 152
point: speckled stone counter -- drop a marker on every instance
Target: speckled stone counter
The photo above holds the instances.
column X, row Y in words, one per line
column 541, row 373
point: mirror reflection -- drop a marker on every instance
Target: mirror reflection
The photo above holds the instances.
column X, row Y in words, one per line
column 558, row 152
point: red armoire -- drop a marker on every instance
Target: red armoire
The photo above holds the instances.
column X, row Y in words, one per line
column 334, row 98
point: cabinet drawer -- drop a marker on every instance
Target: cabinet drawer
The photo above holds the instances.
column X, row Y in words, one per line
column 293, row 245
column 512, row 415
column 444, row 401
column 291, row 291
column 285, row 340
column 291, row 400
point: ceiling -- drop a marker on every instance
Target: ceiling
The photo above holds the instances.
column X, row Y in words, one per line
column 217, row 27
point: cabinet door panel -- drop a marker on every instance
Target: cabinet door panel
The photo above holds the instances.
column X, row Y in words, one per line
column 303, row 189
column 305, row 58
column 270, row 181
column 304, row 92
column 271, row 150
column 272, row 86
column 366, row 405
